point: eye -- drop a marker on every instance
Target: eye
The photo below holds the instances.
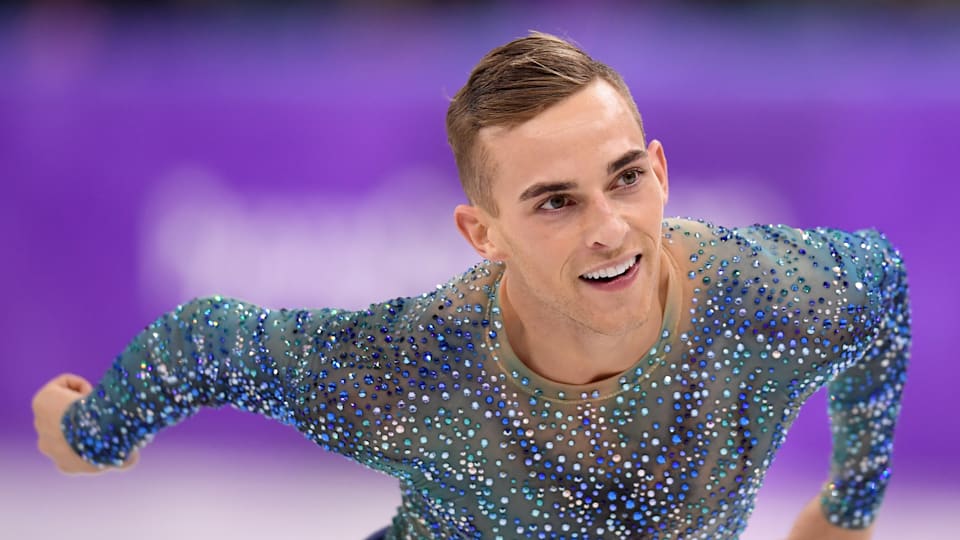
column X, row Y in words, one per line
column 555, row 202
column 629, row 178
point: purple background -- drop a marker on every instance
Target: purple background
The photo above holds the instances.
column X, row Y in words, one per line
column 129, row 145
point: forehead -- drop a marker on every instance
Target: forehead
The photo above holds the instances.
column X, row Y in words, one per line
column 573, row 140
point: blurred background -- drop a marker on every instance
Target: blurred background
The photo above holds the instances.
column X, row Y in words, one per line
column 293, row 154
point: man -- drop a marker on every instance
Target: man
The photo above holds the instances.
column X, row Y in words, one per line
column 604, row 373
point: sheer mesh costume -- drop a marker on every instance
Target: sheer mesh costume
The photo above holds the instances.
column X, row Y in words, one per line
column 428, row 390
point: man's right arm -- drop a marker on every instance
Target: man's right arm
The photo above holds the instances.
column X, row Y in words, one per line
column 331, row 374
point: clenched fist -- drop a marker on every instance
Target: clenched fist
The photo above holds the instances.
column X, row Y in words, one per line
column 49, row 405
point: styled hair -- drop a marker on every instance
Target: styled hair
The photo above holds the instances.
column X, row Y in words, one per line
column 510, row 85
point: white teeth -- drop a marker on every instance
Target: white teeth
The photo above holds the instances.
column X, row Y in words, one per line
column 613, row 271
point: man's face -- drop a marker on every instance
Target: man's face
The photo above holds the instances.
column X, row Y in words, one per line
column 580, row 201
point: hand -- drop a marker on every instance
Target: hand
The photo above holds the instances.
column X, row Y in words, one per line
column 49, row 405
column 811, row 524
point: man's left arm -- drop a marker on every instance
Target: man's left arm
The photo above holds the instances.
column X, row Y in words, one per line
column 832, row 310
column 865, row 397
column 866, row 279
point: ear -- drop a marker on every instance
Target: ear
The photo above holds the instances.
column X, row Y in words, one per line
column 476, row 225
column 659, row 162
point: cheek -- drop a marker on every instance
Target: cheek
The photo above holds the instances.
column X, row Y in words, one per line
column 648, row 208
column 531, row 236
column 517, row 242
column 652, row 192
column 541, row 251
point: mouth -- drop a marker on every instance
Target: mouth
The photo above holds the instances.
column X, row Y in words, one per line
column 613, row 274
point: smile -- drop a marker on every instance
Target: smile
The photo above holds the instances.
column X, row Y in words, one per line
column 611, row 272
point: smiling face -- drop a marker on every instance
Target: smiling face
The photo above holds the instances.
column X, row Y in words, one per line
column 580, row 201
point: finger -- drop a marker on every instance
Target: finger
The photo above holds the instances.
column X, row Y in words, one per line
column 85, row 387
column 75, row 383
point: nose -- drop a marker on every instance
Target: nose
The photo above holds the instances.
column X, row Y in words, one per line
column 606, row 227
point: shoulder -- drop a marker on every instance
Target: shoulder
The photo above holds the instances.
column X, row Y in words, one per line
column 819, row 246
column 701, row 241
column 780, row 263
column 462, row 296
column 700, row 233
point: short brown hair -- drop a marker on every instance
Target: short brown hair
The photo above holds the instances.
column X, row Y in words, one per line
column 510, row 85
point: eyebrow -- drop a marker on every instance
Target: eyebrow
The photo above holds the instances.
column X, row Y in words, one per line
column 625, row 160
column 541, row 188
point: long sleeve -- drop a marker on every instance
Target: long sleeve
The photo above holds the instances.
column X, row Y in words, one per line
column 329, row 373
column 865, row 396
column 832, row 309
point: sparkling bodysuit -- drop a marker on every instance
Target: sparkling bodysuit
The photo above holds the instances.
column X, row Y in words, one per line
column 428, row 390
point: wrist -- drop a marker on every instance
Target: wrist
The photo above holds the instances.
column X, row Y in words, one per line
column 853, row 502
column 813, row 524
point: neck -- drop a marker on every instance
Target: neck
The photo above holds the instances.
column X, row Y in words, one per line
column 563, row 350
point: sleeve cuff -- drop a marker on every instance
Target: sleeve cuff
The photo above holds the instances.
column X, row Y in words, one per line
column 853, row 503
